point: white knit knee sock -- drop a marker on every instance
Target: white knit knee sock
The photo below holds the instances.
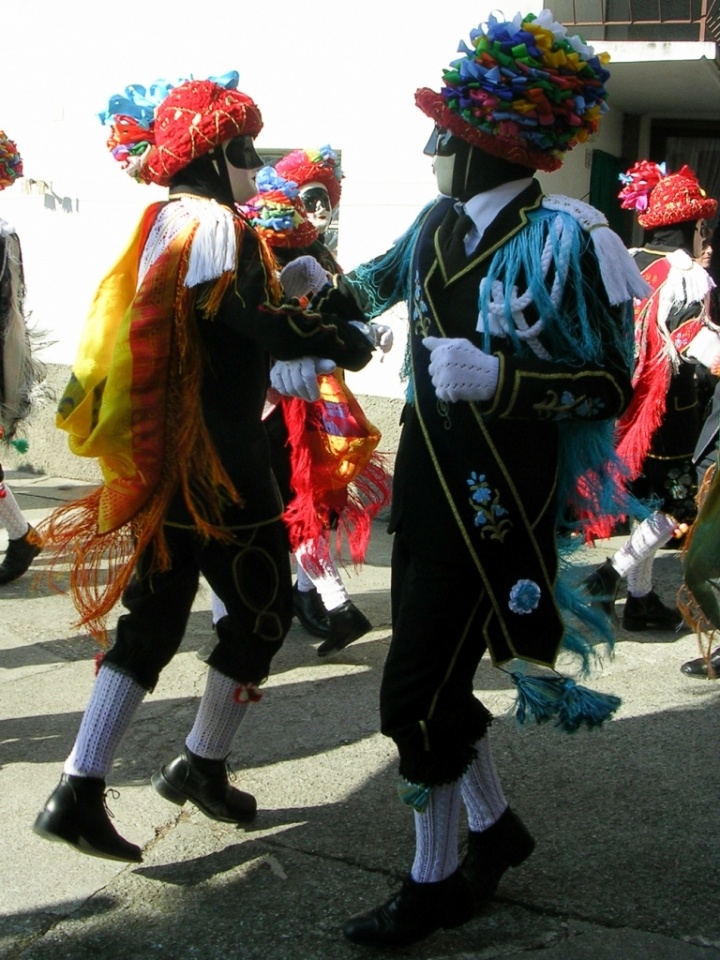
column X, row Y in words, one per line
column 315, row 560
column 219, row 610
column 304, row 583
column 11, row 515
column 645, row 539
column 217, row 719
column 640, row 578
column 114, row 699
column 482, row 791
column 436, row 835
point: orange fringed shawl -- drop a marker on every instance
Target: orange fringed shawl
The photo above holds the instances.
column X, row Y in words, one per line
column 335, row 472
column 132, row 403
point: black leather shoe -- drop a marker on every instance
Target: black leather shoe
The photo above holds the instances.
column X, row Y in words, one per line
column 602, row 584
column 649, row 613
column 347, row 623
column 76, row 814
column 19, row 555
column 490, row 853
column 205, row 782
column 699, row 668
column 309, row 609
column 414, row 912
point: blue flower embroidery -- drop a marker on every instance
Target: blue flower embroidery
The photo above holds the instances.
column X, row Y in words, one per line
column 567, row 406
column 488, row 511
column 524, row 597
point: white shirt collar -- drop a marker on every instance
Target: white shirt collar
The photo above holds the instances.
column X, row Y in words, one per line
column 484, row 207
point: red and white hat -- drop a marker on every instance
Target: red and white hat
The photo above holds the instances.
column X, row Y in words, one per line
column 661, row 199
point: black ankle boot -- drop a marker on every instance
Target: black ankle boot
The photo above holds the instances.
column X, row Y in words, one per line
column 602, row 584
column 76, row 814
column 309, row 609
column 414, row 912
column 699, row 668
column 205, row 782
column 507, row 843
column 19, row 555
column 347, row 623
column 649, row 613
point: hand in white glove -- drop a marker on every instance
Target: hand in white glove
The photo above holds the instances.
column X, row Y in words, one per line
column 383, row 336
column 705, row 348
column 459, row 371
column 303, row 277
column 298, row 378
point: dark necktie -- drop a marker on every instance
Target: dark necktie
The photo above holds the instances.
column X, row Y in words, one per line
column 455, row 251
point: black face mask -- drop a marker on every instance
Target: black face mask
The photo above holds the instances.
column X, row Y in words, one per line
column 474, row 171
column 240, row 152
column 442, row 143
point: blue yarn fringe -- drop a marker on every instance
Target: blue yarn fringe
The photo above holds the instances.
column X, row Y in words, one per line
column 561, row 699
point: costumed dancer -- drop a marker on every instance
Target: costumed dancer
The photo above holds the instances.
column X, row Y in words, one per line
column 657, row 434
column 167, row 392
column 337, row 480
column 520, row 312
column 19, row 372
column 318, row 176
column 700, row 594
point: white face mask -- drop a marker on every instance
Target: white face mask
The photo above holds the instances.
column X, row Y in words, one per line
column 242, row 164
column 443, row 168
column 242, row 183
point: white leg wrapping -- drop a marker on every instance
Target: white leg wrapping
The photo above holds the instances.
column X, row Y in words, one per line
column 320, row 569
column 114, row 699
column 645, row 539
column 217, row 719
column 482, row 792
column 11, row 515
column 436, row 835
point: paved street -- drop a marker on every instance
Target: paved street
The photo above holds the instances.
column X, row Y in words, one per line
column 625, row 818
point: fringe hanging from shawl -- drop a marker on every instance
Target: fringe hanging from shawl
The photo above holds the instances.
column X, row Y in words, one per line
column 699, row 596
column 186, row 458
column 335, row 472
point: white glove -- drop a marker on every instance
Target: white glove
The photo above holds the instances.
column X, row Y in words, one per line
column 304, row 277
column 377, row 333
column 383, row 336
column 459, row 371
column 298, row 378
column 705, row 348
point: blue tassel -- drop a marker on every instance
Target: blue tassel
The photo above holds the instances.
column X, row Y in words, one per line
column 579, row 706
column 537, row 697
column 414, row 796
column 560, row 698
column 22, row 446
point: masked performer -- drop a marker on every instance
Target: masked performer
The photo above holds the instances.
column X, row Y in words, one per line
column 520, row 318
column 168, row 392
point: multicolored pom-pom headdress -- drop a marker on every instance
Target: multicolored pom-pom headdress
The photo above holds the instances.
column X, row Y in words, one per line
column 11, row 166
column 314, row 166
column 524, row 91
column 277, row 212
column 663, row 199
column 159, row 131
